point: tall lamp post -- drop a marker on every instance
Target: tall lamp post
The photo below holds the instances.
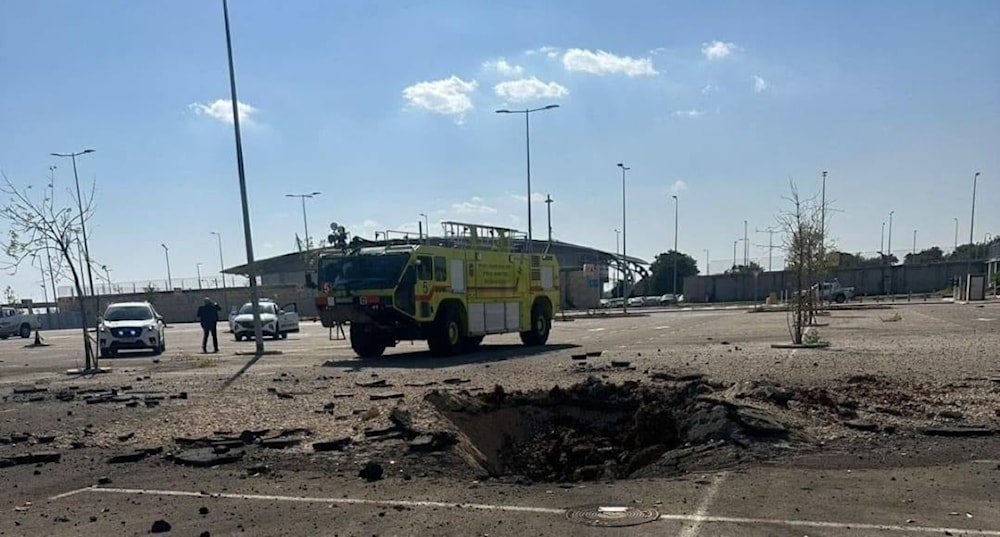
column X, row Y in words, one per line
column 427, row 226
column 247, row 235
column 527, row 150
column 305, row 221
column 881, row 244
column 822, row 223
column 625, row 272
column 914, row 243
column 889, row 248
column 956, row 233
column 83, row 221
column 746, row 246
column 197, row 267
column 166, row 253
column 548, row 209
column 618, row 234
column 972, row 226
column 676, row 254
column 222, row 264
column 708, row 270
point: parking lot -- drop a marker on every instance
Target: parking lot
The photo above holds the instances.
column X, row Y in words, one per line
column 860, row 450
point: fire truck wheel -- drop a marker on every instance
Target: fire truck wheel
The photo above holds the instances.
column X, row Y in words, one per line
column 448, row 333
column 365, row 343
column 541, row 324
column 473, row 342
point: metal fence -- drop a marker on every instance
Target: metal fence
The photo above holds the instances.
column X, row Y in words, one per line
column 104, row 288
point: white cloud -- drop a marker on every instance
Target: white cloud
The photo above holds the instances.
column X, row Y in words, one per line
column 222, row 110
column 550, row 52
column 717, row 50
column 678, row 187
column 502, row 67
column 472, row 207
column 688, row 113
column 476, row 199
column 759, row 84
column 449, row 96
column 605, row 63
column 527, row 89
column 709, row 88
column 536, row 197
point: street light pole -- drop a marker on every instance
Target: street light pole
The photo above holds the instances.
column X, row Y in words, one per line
column 83, row 221
column 427, row 227
column 624, row 237
column 676, row 254
column 708, row 270
column 956, row 233
column 914, row 243
column 247, row 235
column 527, row 146
column 735, row 242
column 305, row 221
column 198, row 268
column 548, row 209
column 822, row 223
column 618, row 251
column 48, row 254
column 972, row 225
column 881, row 244
column 770, row 245
column 222, row 264
column 746, row 246
column 166, row 253
column 889, row 253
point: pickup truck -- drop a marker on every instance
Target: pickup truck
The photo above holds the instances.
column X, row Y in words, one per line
column 834, row 292
column 17, row 322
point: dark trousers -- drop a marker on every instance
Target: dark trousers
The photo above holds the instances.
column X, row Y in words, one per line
column 206, row 330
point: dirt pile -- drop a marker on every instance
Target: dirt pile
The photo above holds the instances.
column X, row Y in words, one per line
column 600, row 430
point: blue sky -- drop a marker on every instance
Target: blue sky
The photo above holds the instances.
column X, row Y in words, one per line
column 387, row 108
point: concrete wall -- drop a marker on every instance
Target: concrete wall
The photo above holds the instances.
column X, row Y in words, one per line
column 180, row 306
column 899, row 279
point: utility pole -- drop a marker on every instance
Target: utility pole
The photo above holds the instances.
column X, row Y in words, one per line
column 247, row 235
column 548, row 207
column 166, row 253
column 708, row 271
column 889, row 253
column 624, row 236
column 735, row 242
column 527, row 152
column 48, row 254
column 972, row 226
column 770, row 244
column 914, row 243
column 746, row 246
column 198, row 268
column 676, row 254
column 822, row 224
column 881, row 244
column 618, row 253
column 956, row 234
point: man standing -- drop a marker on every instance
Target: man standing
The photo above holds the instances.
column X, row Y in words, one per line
column 208, row 316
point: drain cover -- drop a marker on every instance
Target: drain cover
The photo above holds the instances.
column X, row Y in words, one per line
column 611, row 516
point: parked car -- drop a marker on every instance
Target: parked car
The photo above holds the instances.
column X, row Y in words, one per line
column 275, row 322
column 130, row 326
column 233, row 312
column 635, row 302
column 834, row 292
column 14, row 321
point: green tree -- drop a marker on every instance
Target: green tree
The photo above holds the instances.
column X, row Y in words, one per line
column 930, row 255
column 745, row 269
column 661, row 278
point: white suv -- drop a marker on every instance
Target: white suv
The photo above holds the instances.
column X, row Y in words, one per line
column 131, row 326
column 275, row 322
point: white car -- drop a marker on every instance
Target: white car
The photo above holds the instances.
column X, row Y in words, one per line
column 275, row 322
column 17, row 322
column 131, row 326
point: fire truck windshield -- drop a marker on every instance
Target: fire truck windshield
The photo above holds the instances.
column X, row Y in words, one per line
column 362, row 271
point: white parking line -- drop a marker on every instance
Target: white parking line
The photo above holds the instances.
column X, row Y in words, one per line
column 706, row 501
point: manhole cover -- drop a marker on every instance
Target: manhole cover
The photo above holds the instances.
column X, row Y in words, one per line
column 611, row 516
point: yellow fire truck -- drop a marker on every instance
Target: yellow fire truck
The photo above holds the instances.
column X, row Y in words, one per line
column 451, row 291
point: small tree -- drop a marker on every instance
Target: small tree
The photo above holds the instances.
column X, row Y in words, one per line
column 803, row 243
column 38, row 226
column 9, row 296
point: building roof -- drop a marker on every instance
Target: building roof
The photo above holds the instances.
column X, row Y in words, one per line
column 292, row 262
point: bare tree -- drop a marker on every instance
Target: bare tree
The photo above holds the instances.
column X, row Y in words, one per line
column 803, row 243
column 38, row 226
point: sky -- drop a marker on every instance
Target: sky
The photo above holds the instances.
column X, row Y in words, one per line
column 388, row 109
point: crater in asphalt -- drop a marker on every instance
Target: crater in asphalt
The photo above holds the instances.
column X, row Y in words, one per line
column 599, row 430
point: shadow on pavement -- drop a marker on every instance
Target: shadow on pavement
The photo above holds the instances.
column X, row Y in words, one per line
column 424, row 359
